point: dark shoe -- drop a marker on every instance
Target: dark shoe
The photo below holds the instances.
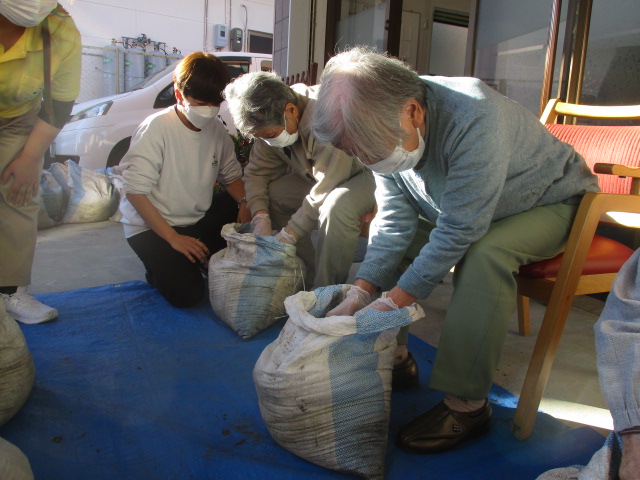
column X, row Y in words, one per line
column 441, row 429
column 405, row 375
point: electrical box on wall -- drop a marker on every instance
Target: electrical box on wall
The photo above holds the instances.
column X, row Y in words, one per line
column 220, row 35
column 236, row 39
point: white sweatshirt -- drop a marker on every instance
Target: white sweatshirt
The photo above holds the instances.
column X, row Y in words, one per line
column 176, row 168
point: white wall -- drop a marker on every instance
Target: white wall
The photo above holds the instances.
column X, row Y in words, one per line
column 180, row 24
column 281, row 38
column 426, row 8
column 299, row 28
column 448, row 50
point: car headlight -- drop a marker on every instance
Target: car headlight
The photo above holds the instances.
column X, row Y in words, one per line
column 93, row 111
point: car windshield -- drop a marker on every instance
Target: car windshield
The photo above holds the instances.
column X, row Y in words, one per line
column 236, row 68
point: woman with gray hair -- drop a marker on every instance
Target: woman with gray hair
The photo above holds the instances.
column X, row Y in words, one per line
column 295, row 183
column 496, row 191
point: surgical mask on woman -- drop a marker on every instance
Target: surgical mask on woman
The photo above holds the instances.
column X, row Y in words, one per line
column 400, row 159
column 284, row 139
column 27, row 13
column 199, row 116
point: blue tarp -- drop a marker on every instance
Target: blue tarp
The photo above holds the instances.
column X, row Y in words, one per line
column 128, row 387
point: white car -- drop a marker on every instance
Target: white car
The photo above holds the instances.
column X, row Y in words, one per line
column 99, row 131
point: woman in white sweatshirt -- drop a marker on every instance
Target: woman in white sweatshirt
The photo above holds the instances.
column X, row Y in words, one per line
column 172, row 218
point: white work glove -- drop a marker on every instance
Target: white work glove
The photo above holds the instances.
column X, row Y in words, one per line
column 382, row 304
column 261, row 224
column 286, row 237
column 355, row 299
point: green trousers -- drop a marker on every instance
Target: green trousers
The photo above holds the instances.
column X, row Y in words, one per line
column 484, row 294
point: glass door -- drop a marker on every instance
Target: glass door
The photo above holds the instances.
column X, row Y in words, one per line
column 375, row 23
column 596, row 59
column 510, row 47
column 612, row 60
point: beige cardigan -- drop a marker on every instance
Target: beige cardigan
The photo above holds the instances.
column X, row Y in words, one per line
column 322, row 165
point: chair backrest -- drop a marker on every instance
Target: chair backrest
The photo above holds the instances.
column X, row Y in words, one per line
column 599, row 144
column 606, row 144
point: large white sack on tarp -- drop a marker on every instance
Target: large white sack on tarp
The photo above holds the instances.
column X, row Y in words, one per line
column 92, row 197
column 14, row 465
column 52, row 200
column 16, row 367
column 249, row 280
column 324, row 385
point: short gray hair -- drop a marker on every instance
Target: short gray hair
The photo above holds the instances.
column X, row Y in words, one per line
column 361, row 96
column 257, row 100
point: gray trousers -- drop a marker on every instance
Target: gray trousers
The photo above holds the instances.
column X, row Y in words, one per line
column 18, row 224
column 338, row 224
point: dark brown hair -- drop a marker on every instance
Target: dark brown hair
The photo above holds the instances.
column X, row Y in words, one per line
column 202, row 76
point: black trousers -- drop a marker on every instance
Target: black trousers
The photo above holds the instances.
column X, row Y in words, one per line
column 176, row 278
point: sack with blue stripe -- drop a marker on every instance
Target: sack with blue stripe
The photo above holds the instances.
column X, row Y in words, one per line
column 324, row 385
column 249, row 280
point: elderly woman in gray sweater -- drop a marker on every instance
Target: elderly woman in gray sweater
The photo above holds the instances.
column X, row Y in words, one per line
column 498, row 190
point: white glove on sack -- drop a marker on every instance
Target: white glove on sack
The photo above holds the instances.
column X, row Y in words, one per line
column 355, row 299
column 382, row 304
column 285, row 237
column 261, row 223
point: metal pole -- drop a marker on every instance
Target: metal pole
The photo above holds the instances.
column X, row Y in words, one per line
column 568, row 49
column 550, row 59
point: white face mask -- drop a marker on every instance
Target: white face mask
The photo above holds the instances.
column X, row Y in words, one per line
column 400, row 160
column 27, row 13
column 199, row 116
column 284, row 139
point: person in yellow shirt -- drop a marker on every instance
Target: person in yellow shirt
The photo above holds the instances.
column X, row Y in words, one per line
column 28, row 125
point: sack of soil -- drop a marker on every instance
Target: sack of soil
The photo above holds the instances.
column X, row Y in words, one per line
column 249, row 280
column 17, row 372
column 324, row 385
column 14, row 465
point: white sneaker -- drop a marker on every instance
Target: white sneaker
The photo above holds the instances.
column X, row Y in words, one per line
column 24, row 308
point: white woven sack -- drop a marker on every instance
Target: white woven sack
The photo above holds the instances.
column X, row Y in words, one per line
column 324, row 385
column 14, row 465
column 92, row 197
column 53, row 201
column 16, row 367
column 249, row 280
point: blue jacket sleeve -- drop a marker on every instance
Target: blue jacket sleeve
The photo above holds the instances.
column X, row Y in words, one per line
column 476, row 158
column 391, row 232
column 618, row 346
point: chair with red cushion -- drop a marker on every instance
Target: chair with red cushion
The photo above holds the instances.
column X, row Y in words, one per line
column 590, row 262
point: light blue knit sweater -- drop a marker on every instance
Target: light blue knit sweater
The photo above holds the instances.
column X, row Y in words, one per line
column 486, row 158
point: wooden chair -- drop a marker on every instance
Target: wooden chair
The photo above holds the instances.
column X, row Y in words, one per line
column 590, row 262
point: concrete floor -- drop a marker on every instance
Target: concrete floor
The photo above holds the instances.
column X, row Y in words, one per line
column 72, row 256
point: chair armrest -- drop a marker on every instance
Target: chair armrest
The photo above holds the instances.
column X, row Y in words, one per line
column 616, row 169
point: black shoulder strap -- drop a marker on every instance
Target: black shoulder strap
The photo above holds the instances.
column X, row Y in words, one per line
column 46, row 57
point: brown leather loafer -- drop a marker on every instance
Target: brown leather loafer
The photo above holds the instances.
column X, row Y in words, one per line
column 441, row 429
column 405, row 375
